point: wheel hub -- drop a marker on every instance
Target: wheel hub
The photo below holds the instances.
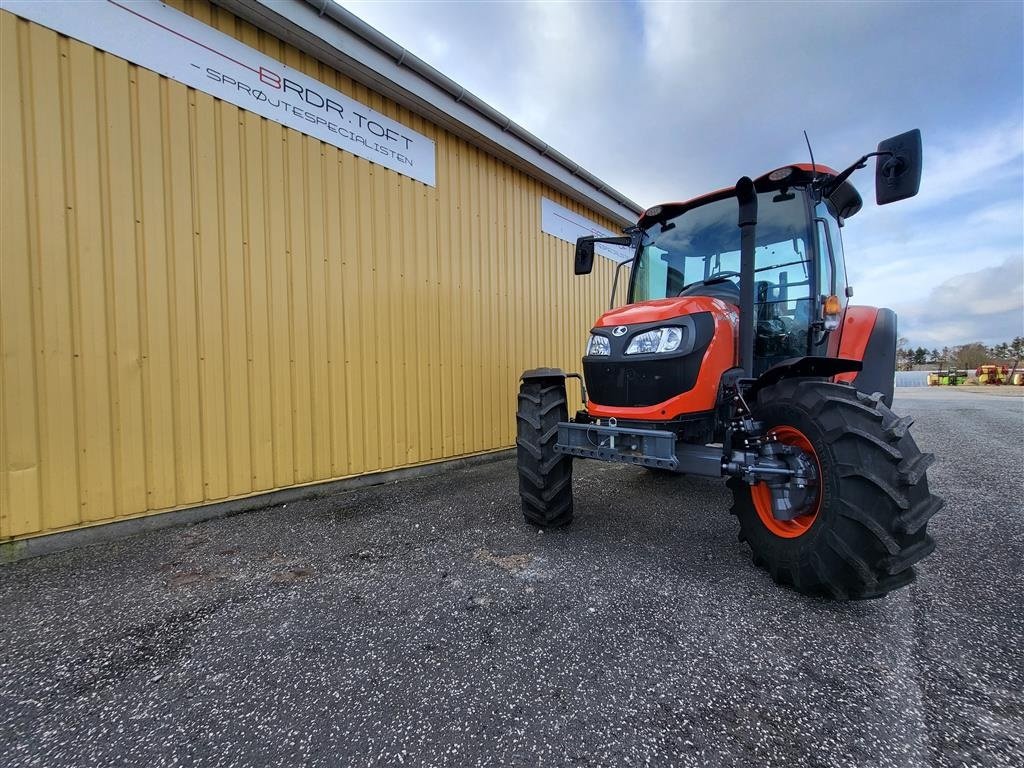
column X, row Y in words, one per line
column 797, row 495
column 788, row 505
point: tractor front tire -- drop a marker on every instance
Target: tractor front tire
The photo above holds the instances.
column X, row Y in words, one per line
column 545, row 477
column 870, row 524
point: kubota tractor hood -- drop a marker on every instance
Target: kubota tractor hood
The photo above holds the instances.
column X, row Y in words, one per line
column 663, row 309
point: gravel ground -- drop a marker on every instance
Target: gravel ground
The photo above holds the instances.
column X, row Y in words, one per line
column 991, row 391
column 424, row 624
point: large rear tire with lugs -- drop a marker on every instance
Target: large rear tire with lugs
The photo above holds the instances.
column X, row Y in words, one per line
column 545, row 477
column 867, row 525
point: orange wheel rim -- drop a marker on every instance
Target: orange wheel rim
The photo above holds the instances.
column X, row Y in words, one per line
column 761, row 494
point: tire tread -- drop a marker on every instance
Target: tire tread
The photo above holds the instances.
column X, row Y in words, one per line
column 545, row 477
column 872, row 531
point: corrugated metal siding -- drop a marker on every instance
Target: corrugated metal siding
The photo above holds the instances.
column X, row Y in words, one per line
column 197, row 303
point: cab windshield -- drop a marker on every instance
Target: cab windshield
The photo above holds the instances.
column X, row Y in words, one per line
column 679, row 254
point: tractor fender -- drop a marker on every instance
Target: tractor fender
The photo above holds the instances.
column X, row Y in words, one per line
column 554, row 374
column 804, row 367
column 869, row 335
column 543, row 373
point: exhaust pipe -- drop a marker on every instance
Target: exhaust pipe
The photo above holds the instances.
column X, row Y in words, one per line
column 747, row 198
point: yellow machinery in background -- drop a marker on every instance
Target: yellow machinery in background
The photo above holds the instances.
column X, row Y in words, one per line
column 992, row 374
column 949, row 378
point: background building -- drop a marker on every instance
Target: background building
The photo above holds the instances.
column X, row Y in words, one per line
column 209, row 293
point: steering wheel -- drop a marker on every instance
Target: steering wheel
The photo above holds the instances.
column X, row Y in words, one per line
column 776, row 326
column 718, row 277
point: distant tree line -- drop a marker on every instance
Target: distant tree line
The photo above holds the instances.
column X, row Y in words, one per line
column 966, row 356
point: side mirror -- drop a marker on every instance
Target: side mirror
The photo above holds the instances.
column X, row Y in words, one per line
column 584, row 261
column 585, row 250
column 898, row 170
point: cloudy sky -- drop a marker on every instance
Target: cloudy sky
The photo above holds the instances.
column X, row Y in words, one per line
column 668, row 100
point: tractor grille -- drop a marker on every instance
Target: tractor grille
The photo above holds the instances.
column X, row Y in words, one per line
column 631, row 384
column 643, row 380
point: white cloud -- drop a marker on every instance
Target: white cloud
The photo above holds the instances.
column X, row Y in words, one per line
column 1003, row 215
column 982, row 305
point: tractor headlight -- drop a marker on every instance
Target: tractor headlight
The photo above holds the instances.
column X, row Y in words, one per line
column 658, row 340
column 599, row 345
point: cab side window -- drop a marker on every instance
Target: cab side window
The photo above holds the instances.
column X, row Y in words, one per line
column 827, row 277
column 822, row 211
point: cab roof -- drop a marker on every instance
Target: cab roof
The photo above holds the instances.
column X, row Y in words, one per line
column 844, row 200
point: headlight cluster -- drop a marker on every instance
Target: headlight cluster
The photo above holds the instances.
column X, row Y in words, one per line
column 658, row 340
column 599, row 345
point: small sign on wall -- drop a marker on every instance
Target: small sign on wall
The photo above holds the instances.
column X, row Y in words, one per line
column 566, row 225
column 178, row 46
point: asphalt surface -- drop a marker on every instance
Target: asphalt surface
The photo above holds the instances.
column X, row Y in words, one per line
column 424, row 624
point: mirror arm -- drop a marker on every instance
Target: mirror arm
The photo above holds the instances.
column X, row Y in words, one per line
column 832, row 184
column 612, row 240
column 615, row 282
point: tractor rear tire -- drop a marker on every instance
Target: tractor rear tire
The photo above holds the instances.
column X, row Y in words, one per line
column 873, row 505
column 545, row 477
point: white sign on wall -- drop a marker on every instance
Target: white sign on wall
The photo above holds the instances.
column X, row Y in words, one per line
column 566, row 225
column 173, row 44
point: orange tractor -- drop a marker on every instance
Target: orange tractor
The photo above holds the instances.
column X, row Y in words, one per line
column 738, row 356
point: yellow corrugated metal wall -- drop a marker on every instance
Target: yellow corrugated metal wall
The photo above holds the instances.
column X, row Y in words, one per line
column 197, row 303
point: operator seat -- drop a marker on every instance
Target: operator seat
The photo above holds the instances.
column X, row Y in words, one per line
column 726, row 290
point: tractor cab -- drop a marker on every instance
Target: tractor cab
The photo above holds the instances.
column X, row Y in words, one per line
column 800, row 287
